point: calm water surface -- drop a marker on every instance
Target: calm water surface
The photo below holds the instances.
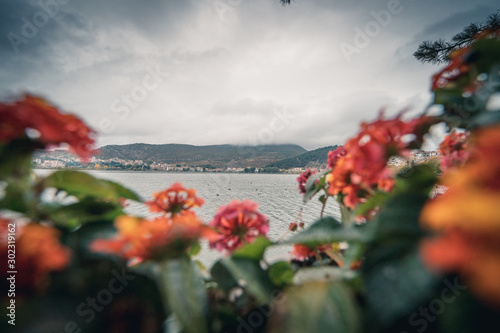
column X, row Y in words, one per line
column 276, row 194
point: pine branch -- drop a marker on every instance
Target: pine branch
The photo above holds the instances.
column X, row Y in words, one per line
column 439, row 51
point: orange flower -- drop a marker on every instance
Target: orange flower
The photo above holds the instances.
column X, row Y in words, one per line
column 238, row 223
column 141, row 239
column 303, row 252
column 52, row 126
column 174, row 200
column 361, row 165
column 37, row 253
column 467, row 218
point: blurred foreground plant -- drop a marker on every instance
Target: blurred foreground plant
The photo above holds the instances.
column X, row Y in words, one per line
column 399, row 258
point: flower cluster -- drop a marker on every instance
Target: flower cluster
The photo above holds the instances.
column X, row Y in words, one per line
column 49, row 125
column 38, row 252
column 361, row 165
column 467, row 218
column 174, row 200
column 302, row 180
column 142, row 239
column 454, row 150
column 169, row 235
column 237, row 223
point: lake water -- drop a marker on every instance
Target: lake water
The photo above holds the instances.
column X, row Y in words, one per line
column 276, row 194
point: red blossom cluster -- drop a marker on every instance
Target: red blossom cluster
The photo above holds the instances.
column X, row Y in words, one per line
column 361, row 165
column 237, row 223
column 454, row 150
column 174, row 200
column 302, row 180
column 51, row 126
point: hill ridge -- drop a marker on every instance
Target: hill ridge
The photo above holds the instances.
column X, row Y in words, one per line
column 215, row 155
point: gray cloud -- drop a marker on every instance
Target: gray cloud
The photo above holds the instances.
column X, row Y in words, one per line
column 228, row 73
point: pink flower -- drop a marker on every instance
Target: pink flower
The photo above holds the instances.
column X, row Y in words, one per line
column 302, row 180
column 454, row 150
column 334, row 156
column 237, row 223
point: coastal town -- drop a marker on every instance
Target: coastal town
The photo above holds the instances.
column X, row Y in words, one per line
column 61, row 159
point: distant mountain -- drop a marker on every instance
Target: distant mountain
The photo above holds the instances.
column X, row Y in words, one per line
column 215, row 155
column 313, row 158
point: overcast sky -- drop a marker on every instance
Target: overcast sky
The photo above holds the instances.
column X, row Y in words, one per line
column 226, row 71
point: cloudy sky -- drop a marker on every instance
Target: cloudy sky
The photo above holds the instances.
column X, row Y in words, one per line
column 226, row 71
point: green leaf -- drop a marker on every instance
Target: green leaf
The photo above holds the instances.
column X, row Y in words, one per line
column 329, row 230
column 222, row 276
column 88, row 210
column 400, row 217
column 281, row 273
column 312, row 187
column 18, row 196
column 194, row 249
column 419, row 179
column 323, row 273
column 254, row 278
column 316, row 307
column 81, row 185
column 80, row 239
column 185, row 293
column 15, row 158
column 396, row 282
column 376, row 200
column 253, row 251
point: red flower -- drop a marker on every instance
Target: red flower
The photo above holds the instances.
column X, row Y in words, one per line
column 140, row 239
column 38, row 252
column 454, row 150
column 361, row 165
column 302, row 180
column 52, row 126
column 293, row 226
column 174, row 200
column 238, row 223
